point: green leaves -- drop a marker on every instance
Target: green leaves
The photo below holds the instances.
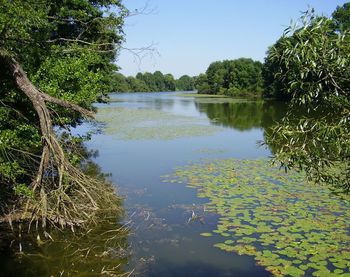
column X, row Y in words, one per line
column 67, row 49
column 311, row 66
column 289, row 225
column 234, row 78
column 151, row 82
column 70, row 77
column 206, row 234
column 23, row 190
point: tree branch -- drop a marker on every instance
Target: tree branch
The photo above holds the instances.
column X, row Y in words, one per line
column 81, row 41
column 68, row 105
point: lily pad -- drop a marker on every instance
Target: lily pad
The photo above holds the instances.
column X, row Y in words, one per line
column 289, row 225
column 145, row 124
column 206, row 234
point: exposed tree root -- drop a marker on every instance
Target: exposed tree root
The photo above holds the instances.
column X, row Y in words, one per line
column 63, row 194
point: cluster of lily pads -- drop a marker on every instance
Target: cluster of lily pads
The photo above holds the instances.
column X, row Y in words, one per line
column 210, row 151
column 138, row 124
column 291, row 227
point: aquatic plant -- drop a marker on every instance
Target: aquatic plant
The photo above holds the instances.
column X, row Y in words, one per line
column 138, row 124
column 291, row 227
column 210, row 151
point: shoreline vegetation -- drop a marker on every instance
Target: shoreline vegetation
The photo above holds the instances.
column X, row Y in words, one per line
column 66, row 64
column 46, row 178
column 307, row 68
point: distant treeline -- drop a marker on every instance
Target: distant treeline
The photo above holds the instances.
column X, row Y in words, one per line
column 240, row 77
column 152, row 82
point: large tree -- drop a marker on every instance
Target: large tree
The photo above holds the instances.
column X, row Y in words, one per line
column 341, row 17
column 56, row 59
column 185, row 83
column 232, row 77
column 312, row 62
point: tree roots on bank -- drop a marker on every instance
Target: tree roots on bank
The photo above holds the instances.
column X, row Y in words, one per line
column 62, row 194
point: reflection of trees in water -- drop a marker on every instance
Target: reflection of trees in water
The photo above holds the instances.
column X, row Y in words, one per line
column 101, row 249
column 161, row 104
column 316, row 142
column 290, row 142
column 244, row 116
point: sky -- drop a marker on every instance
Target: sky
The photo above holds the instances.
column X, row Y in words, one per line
column 188, row 35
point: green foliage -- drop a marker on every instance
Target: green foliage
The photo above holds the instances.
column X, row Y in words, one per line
column 313, row 63
column 202, row 85
column 23, row 190
column 273, row 87
column 232, row 77
column 151, row 82
column 67, row 49
column 119, row 83
column 70, row 78
column 289, row 226
column 185, row 83
column 341, row 17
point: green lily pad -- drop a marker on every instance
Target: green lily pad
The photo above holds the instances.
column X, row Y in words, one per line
column 144, row 124
column 206, row 234
column 289, row 225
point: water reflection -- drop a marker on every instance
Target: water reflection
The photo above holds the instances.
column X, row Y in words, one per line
column 100, row 249
column 244, row 115
column 163, row 242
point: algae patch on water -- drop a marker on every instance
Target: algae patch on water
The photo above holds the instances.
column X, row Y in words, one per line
column 291, row 227
column 137, row 124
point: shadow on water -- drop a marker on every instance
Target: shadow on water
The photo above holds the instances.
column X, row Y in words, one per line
column 99, row 249
column 244, row 115
column 195, row 268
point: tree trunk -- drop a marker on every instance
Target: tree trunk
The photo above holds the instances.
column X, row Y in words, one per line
column 52, row 153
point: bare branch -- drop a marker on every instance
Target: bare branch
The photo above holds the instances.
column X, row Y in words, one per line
column 140, row 53
column 68, row 105
column 145, row 10
column 81, row 41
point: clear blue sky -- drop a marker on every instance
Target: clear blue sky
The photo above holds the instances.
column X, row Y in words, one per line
column 190, row 34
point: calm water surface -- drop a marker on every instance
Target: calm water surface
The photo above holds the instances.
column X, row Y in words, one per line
column 163, row 241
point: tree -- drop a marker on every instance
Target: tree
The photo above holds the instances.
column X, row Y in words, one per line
column 169, row 82
column 276, row 88
column 119, row 83
column 341, row 17
column 232, row 77
column 137, row 85
column 314, row 65
column 56, row 60
column 158, row 78
column 202, row 85
column 185, row 83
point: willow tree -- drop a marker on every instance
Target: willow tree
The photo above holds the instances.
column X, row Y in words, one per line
column 56, row 59
column 312, row 62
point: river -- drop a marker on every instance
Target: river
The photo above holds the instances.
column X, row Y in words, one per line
column 200, row 197
column 161, row 211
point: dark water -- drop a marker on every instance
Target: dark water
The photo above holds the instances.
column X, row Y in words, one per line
column 161, row 240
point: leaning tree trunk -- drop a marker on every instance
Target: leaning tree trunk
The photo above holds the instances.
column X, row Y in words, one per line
column 60, row 203
column 39, row 99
